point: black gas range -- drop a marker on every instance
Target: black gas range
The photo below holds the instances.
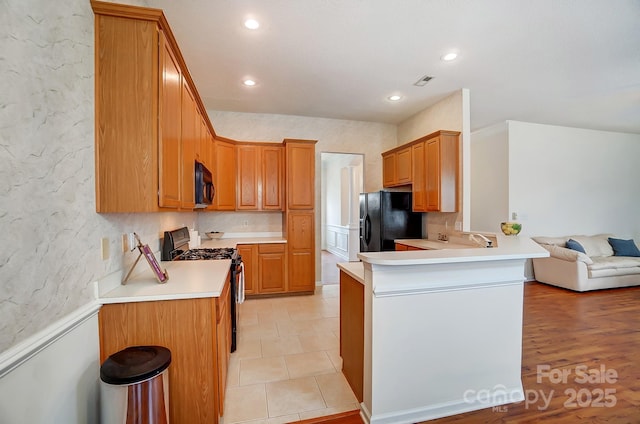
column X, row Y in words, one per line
column 175, row 247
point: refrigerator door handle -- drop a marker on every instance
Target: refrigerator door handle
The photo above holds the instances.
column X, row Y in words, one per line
column 367, row 229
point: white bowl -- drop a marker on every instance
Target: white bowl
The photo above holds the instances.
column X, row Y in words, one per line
column 214, row 234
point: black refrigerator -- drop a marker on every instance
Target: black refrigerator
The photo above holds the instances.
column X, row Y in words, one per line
column 384, row 217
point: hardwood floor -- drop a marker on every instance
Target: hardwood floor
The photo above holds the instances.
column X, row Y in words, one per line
column 593, row 339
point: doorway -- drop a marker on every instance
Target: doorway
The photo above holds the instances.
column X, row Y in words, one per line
column 341, row 185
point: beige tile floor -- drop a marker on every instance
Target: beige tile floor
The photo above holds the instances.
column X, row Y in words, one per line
column 287, row 364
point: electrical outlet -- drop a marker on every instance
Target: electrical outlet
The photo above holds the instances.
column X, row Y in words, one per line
column 514, row 215
column 458, row 226
column 104, row 248
column 245, row 224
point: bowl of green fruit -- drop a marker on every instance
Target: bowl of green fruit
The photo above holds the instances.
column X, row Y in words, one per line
column 510, row 228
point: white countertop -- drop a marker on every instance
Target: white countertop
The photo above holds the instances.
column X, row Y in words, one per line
column 509, row 247
column 354, row 269
column 187, row 279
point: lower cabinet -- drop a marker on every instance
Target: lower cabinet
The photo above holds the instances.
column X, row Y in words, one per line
column 400, row 246
column 352, row 332
column 265, row 268
column 198, row 334
column 301, row 255
column 272, row 268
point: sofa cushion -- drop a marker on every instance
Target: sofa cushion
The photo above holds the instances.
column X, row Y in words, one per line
column 597, row 245
column 574, row 245
column 624, row 247
column 613, row 265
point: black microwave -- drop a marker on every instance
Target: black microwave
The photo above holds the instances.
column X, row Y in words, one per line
column 205, row 191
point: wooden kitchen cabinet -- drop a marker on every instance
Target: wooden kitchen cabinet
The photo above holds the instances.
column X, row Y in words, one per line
column 434, row 168
column 189, row 328
column 442, row 173
column 140, row 157
column 272, row 259
column 396, row 167
column 249, row 253
column 223, row 342
column 403, row 247
column 170, row 127
column 190, row 132
column 265, row 268
column 419, row 190
column 224, row 175
column 300, row 160
column 301, row 243
column 260, row 177
column 352, row 332
column 299, row 217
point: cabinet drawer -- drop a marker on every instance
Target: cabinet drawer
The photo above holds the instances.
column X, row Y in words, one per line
column 271, row 248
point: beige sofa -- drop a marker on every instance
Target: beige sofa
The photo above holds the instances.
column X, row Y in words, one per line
column 595, row 269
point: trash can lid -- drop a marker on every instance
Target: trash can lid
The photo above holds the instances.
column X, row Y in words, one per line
column 135, row 364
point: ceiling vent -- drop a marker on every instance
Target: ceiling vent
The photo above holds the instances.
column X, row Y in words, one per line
column 423, row 81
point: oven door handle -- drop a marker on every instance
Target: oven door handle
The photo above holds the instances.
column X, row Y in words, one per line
column 240, row 290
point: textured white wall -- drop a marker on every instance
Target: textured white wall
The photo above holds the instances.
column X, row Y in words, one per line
column 50, row 253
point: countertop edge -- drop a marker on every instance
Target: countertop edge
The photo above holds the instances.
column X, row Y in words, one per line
column 353, row 269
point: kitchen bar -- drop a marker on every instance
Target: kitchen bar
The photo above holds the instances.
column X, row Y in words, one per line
column 441, row 327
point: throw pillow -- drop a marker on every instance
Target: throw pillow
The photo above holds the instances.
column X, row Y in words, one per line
column 624, row 247
column 574, row 245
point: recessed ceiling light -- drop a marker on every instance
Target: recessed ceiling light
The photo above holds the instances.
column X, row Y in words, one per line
column 249, row 82
column 394, row 98
column 449, row 57
column 251, row 24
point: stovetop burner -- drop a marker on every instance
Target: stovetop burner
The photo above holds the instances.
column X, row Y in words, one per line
column 206, row 254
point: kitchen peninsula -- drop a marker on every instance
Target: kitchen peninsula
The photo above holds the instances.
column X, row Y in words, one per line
column 442, row 329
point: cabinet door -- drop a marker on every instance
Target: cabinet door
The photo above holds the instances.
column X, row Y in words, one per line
column 248, row 176
column 170, row 127
column 224, row 173
column 432, row 171
column 271, row 267
column 272, row 195
column 189, row 134
column 300, row 159
column 403, row 166
column 301, row 256
column 389, row 169
column 419, row 189
column 249, row 253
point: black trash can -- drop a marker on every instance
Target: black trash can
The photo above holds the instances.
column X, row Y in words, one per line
column 135, row 386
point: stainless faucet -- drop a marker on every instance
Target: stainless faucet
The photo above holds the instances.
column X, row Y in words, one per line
column 487, row 243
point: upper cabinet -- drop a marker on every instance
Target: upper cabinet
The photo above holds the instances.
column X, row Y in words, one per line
column 224, row 175
column 260, row 177
column 396, row 167
column 434, row 168
column 442, row 172
column 146, row 113
column 300, row 160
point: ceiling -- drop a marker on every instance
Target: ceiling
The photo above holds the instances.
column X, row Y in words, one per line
column 561, row 62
